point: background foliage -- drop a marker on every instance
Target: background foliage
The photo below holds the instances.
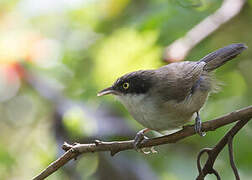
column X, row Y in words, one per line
column 79, row 47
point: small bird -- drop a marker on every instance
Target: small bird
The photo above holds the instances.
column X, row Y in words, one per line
column 170, row 96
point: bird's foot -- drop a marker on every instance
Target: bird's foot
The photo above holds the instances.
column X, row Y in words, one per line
column 197, row 126
column 141, row 138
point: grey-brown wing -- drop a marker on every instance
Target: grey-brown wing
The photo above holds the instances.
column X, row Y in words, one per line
column 177, row 79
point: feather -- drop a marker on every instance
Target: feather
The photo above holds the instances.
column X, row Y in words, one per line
column 221, row 56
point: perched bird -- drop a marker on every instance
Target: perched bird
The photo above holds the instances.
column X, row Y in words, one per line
column 168, row 97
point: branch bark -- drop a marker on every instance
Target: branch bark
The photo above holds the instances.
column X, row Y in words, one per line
column 178, row 50
column 72, row 151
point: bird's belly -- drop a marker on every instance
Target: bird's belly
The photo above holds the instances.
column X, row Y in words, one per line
column 166, row 116
column 154, row 117
column 162, row 121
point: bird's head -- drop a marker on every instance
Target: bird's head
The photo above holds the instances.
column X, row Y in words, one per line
column 134, row 83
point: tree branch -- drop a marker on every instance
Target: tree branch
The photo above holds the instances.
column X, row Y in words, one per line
column 231, row 157
column 214, row 152
column 72, row 151
column 178, row 50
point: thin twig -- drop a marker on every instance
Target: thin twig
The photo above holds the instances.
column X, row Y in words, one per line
column 205, row 150
column 231, row 158
column 72, row 151
column 212, row 170
column 216, row 174
column 214, row 152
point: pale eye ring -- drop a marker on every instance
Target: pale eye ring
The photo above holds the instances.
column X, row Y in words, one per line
column 125, row 85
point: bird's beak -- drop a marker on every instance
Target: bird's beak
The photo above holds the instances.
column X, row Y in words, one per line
column 107, row 91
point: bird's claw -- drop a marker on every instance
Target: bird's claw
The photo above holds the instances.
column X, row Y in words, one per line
column 139, row 139
column 153, row 150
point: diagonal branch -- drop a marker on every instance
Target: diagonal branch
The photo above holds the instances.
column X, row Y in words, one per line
column 72, row 151
column 178, row 50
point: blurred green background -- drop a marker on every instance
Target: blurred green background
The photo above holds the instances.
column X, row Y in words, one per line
column 56, row 55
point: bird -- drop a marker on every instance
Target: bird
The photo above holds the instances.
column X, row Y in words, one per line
column 169, row 97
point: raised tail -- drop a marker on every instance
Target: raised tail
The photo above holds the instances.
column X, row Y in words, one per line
column 221, row 56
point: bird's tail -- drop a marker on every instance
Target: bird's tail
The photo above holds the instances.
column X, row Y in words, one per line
column 221, row 56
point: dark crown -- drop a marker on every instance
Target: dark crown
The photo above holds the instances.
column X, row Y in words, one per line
column 138, row 82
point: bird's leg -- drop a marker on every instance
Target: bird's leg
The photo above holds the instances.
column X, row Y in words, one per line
column 140, row 137
column 197, row 125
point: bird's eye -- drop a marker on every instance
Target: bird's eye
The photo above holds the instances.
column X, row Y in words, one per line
column 125, row 85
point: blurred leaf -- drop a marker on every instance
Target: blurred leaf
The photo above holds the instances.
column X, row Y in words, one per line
column 77, row 123
column 234, row 84
column 125, row 51
column 6, row 159
column 113, row 8
column 87, row 165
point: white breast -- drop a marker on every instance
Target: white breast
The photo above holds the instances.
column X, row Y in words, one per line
column 167, row 116
column 137, row 106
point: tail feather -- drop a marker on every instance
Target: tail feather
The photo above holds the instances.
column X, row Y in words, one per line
column 221, row 56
